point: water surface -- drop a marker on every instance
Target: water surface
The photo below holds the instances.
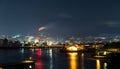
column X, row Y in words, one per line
column 49, row 59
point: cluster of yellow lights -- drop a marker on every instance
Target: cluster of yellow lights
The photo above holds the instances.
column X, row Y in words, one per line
column 72, row 48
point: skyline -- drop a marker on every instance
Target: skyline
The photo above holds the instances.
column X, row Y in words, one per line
column 60, row 17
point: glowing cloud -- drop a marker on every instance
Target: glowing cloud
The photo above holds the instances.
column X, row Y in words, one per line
column 41, row 28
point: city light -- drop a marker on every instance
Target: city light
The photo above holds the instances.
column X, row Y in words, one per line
column 30, row 66
column 59, row 34
column 72, row 48
column 36, row 41
column 27, row 61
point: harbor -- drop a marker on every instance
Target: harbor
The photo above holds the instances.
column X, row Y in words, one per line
column 49, row 58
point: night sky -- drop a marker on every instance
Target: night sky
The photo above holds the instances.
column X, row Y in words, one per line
column 60, row 17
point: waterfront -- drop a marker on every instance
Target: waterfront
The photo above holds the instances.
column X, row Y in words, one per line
column 48, row 59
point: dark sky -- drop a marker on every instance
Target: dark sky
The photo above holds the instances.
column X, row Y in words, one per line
column 60, row 17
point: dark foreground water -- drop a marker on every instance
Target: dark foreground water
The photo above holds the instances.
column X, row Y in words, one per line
column 48, row 59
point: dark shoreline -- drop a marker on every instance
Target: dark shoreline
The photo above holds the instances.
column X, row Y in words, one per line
column 27, row 47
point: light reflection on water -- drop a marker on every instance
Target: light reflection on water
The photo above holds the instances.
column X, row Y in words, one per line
column 39, row 61
column 82, row 61
column 51, row 59
column 97, row 64
column 105, row 65
column 73, row 60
